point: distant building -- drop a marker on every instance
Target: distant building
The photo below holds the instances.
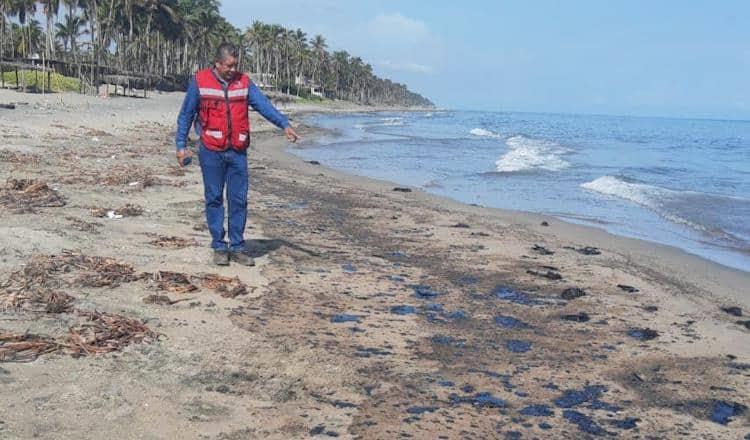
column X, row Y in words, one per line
column 305, row 83
column 316, row 91
column 263, row 80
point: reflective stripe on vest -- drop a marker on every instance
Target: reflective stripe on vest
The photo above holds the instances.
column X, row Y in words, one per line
column 205, row 91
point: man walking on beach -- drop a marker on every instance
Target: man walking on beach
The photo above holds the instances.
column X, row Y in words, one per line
column 220, row 96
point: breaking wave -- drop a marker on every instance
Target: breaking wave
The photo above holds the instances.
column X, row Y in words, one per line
column 699, row 211
column 528, row 154
column 481, row 132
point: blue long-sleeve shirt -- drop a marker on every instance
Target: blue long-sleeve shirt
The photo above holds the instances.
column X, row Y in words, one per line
column 191, row 104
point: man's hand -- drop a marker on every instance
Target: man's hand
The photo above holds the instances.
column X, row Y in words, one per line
column 291, row 134
column 181, row 155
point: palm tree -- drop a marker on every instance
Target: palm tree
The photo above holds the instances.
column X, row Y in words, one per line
column 176, row 37
column 6, row 7
column 319, row 47
column 51, row 8
column 69, row 31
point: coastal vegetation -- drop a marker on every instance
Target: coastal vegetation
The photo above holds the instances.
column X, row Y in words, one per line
column 166, row 41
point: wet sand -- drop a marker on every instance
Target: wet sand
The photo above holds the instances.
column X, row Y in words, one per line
column 372, row 313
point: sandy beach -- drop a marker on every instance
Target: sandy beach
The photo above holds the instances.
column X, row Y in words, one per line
column 374, row 312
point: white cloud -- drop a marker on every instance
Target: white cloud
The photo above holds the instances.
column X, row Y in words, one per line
column 405, row 67
column 397, row 26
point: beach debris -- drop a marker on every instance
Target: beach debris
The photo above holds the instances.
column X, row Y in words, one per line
column 549, row 274
column 317, row 430
column 480, row 234
column 402, row 189
column 23, row 195
column 723, row 411
column 84, row 226
column 366, row 352
column 461, row 225
column 105, row 333
column 37, row 300
column 457, row 315
column 313, row 162
column 651, row 309
column 163, row 300
column 424, row 291
column 174, row 282
column 572, row 293
column 433, row 307
column 628, row 289
column 746, row 324
column 578, row 317
column 508, row 293
column 129, row 210
column 545, row 223
column 419, row 410
column 588, row 250
column 343, row 318
column 349, row 268
column 584, row 423
column 588, row 394
column 53, row 271
column 131, row 176
column 403, row 310
column 18, row 157
column 8, row 106
column 225, row 286
column 626, row 423
column 99, row 333
column 448, row 341
column 541, row 250
column 734, row 311
column 517, row 346
column 479, row 400
column 24, row 347
column 174, row 170
column 173, row 242
column 466, row 280
column 643, row 334
column 538, row 411
column 510, row 322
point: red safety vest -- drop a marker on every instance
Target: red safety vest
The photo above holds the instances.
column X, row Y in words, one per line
column 223, row 114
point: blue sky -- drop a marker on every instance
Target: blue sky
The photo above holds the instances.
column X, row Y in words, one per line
column 688, row 58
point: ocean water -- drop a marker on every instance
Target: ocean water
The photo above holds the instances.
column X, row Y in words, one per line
column 679, row 182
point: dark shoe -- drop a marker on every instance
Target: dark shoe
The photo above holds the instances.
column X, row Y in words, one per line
column 242, row 258
column 221, row 258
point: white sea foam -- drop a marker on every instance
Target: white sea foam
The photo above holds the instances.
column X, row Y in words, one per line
column 713, row 214
column 528, row 154
column 663, row 201
column 389, row 122
column 481, row 132
column 640, row 193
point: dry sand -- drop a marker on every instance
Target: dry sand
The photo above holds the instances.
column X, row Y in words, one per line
column 319, row 345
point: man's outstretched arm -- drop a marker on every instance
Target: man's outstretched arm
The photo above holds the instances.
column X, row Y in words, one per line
column 262, row 105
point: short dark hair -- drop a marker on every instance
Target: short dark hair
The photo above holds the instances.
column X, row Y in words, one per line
column 225, row 50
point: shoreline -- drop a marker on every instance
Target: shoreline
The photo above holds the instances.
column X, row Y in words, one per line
column 371, row 313
column 691, row 262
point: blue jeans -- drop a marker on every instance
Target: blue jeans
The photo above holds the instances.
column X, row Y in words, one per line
column 225, row 168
